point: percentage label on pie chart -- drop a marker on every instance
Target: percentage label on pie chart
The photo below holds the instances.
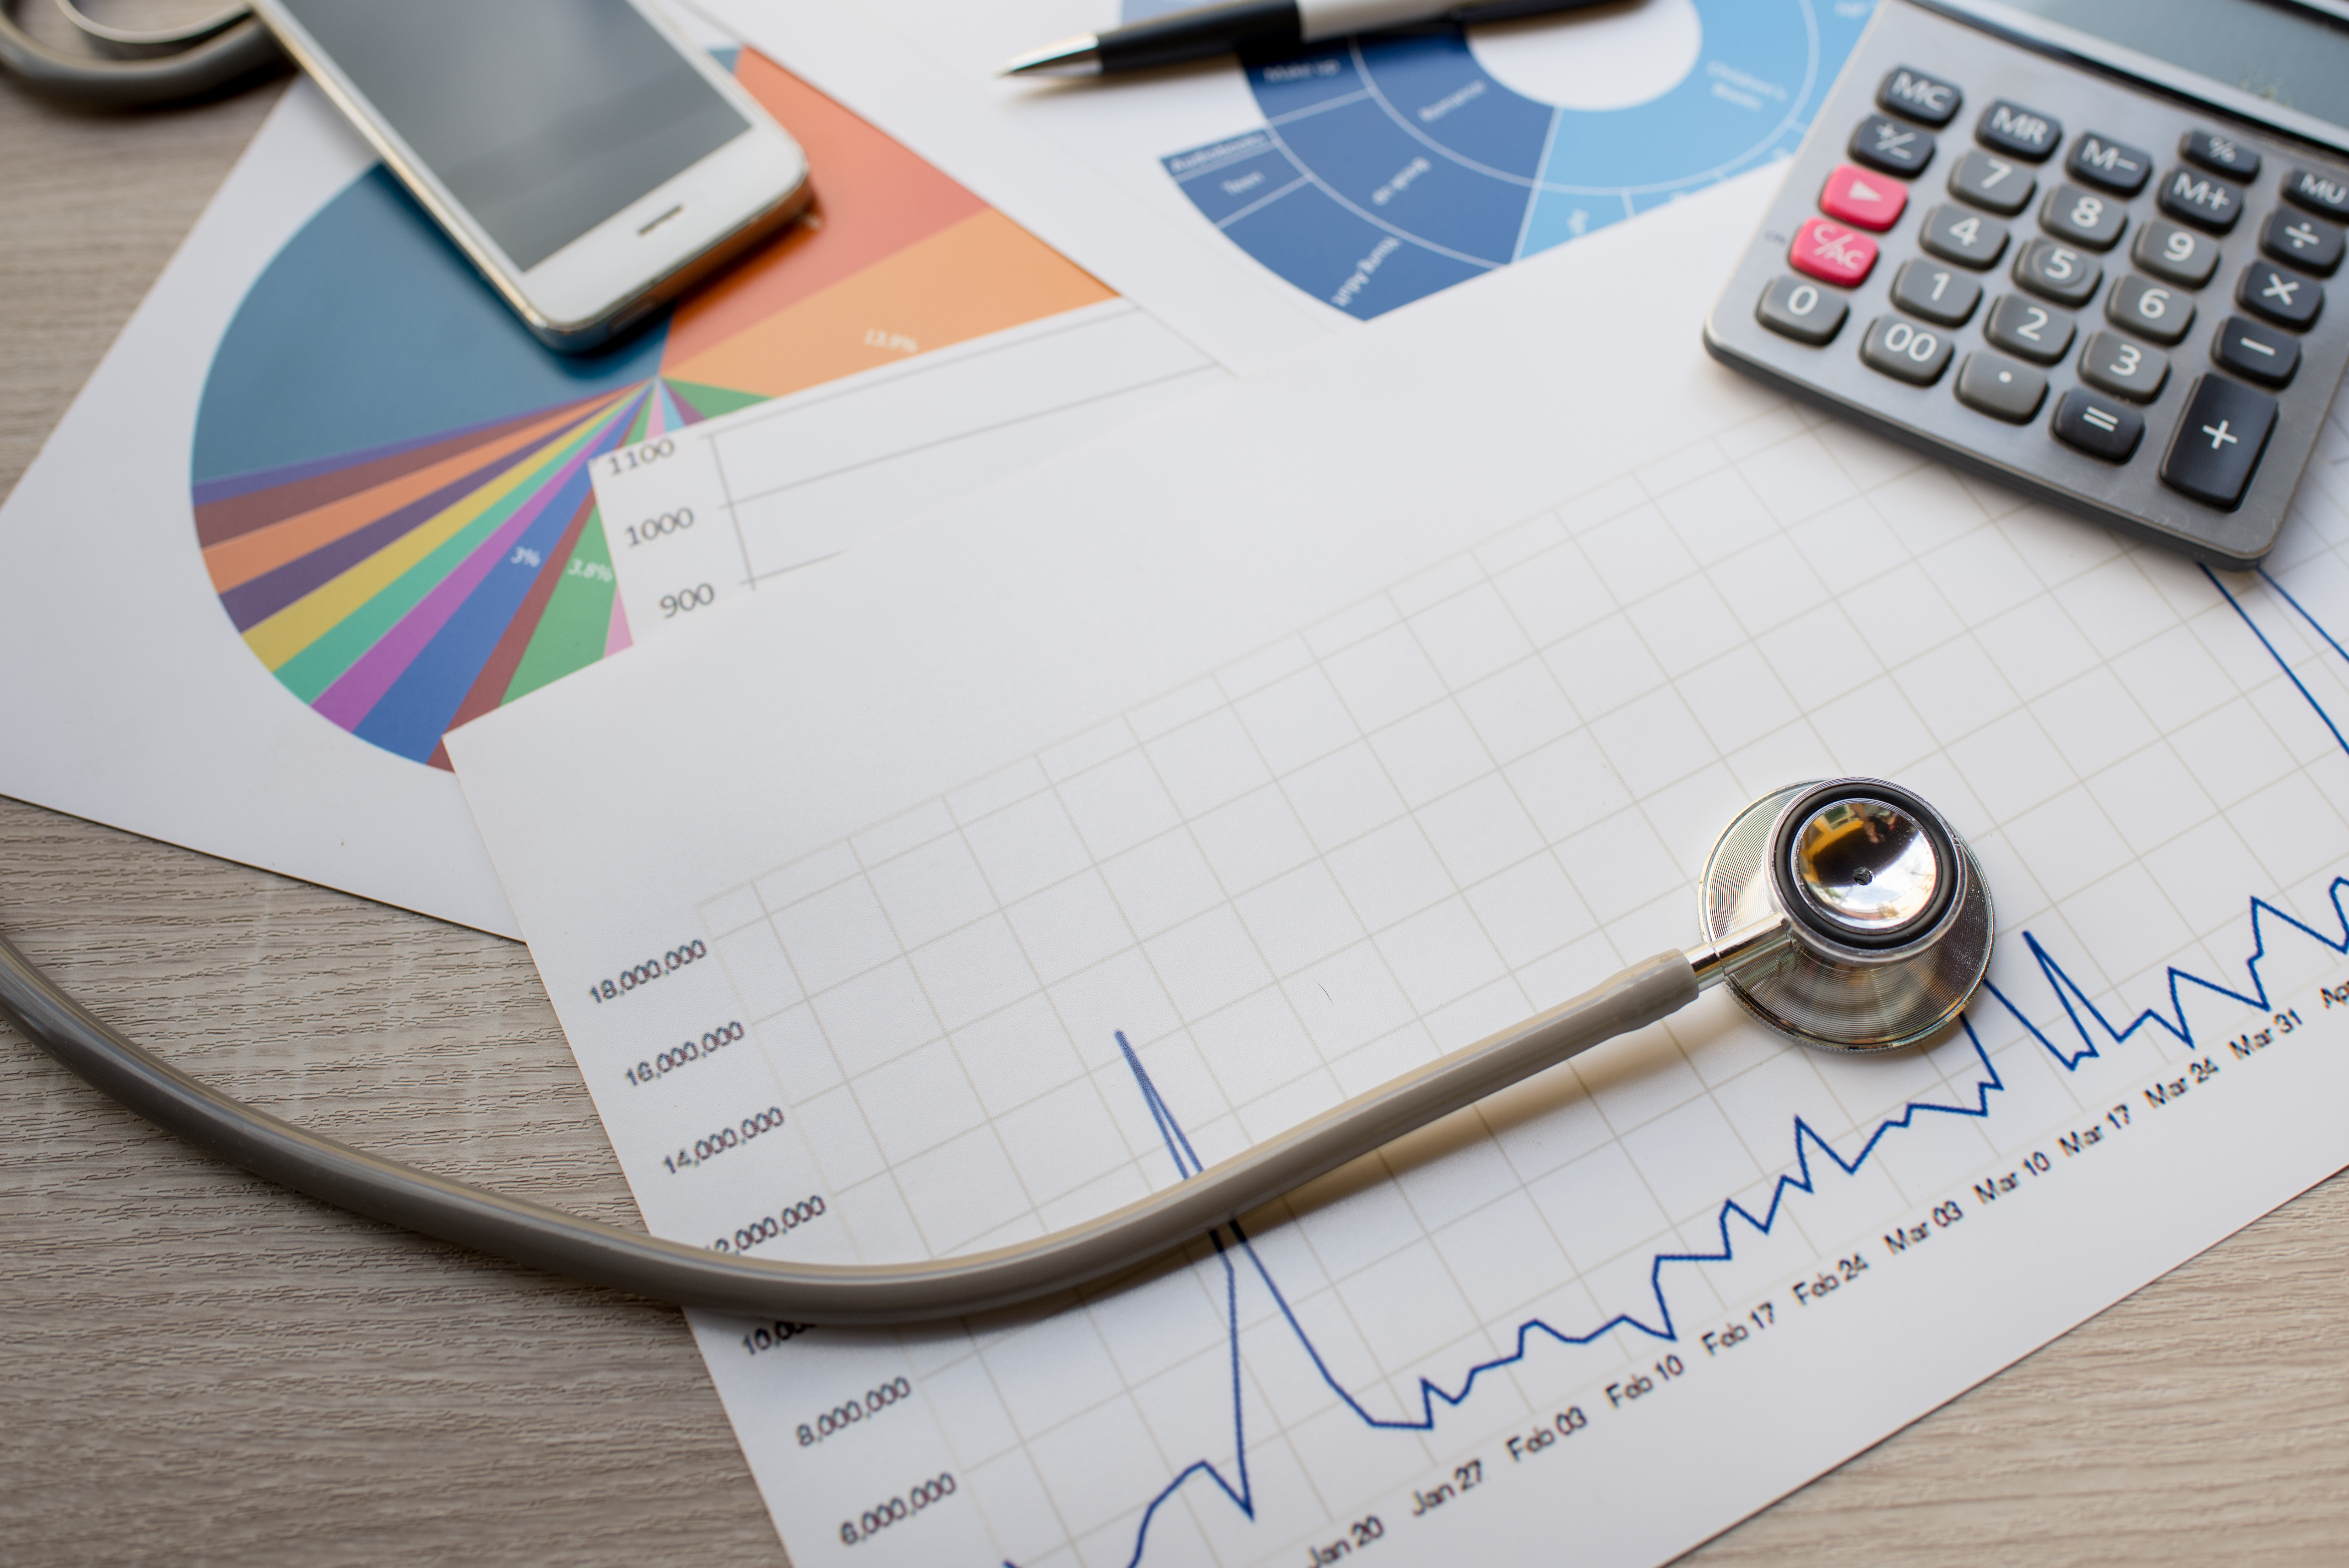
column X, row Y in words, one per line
column 1392, row 166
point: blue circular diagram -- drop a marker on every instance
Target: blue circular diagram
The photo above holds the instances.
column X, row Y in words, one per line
column 1392, row 166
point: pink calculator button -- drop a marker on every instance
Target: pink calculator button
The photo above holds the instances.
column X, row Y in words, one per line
column 1831, row 253
column 1864, row 200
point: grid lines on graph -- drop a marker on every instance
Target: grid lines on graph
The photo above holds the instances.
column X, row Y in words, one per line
column 1465, row 797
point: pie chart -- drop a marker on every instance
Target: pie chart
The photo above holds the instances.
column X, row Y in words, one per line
column 1396, row 164
column 390, row 476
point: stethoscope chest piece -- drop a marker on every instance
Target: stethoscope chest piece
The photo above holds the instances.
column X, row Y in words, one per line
column 1891, row 920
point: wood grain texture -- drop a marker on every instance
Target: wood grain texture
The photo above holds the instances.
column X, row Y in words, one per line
column 197, row 1368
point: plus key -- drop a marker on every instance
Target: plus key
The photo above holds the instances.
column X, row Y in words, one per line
column 2218, row 441
column 1832, row 252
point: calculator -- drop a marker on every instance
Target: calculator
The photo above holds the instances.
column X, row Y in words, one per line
column 2034, row 239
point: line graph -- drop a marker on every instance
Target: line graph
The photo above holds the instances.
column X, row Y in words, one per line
column 1088, row 971
column 2067, row 992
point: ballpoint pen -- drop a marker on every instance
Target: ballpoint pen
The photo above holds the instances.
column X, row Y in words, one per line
column 1203, row 30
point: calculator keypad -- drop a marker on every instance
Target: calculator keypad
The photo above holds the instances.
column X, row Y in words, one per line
column 1913, row 95
column 2204, row 201
column 2108, row 165
column 2306, row 243
column 2179, row 255
column 2280, row 295
column 2149, row 328
column 2020, row 132
column 2002, row 388
column 2256, row 350
column 1906, row 351
column 1866, row 199
column 1953, row 234
column 2150, row 310
column 2083, row 217
column 1995, row 184
column 2025, row 327
column 2327, row 196
column 2219, row 442
column 1802, row 310
column 1937, row 293
column 2220, row 154
column 2126, row 370
column 2061, row 272
column 2099, row 426
column 1891, row 148
column 1832, row 252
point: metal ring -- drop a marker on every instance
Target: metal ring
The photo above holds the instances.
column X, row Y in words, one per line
column 1832, row 995
column 133, row 43
column 242, row 51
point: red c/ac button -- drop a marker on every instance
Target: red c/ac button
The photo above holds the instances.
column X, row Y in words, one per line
column 1864, row 200
column 1831, row 253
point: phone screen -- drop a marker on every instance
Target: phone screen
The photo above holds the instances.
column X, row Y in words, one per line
column 543, row 118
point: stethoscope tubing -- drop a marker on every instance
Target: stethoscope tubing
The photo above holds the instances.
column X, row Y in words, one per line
column 600, row 1254
column 234, row 55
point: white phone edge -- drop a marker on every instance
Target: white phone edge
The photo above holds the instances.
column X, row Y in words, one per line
column 621, row 271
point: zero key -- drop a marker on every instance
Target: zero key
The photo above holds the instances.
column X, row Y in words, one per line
column 2218, row 441
column 1797, row 308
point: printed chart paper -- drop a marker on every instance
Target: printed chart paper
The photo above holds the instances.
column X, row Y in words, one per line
column 323, row 439
column 1340, row 718
column 1254, row 207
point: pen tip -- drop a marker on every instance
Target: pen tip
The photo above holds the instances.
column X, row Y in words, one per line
column 1077, row 57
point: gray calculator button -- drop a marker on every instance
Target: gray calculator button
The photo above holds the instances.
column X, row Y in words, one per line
column 2027, row 327
column 1802, row 310
column 1928, row 100
column 2327, row 194
column 2000, row 184
column 2021, row 132
column 2083, row 217
column 2124, row 368
column 2100, row 160
column 2097, row 426
column 2280, row 295
column 2202, row 200
column 2257, row 351
column 2218, row 441
column 2220, row 154
column 2161, row 311
column 2306, row 243
column 1906, row 351
column 1891, row 146
column 2179, row 256
column 1956, row 234
column 2002, row 387
column 2061, row 272
column 1938, row 293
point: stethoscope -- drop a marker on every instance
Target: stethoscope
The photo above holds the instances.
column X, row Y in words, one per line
column 138, row 66
column 1847, row 915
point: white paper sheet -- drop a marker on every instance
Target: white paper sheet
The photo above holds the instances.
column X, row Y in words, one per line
column 136, row 697
column 1132, row 813
column 1258, row 210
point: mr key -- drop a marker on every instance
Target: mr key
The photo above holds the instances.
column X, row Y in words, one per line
column 2099, row 295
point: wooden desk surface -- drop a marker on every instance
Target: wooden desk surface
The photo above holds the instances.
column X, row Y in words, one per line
column 196, row 1367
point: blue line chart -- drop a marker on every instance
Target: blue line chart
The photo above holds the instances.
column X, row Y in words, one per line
column 2096, row 1034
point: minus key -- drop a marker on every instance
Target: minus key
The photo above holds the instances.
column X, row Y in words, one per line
column 2255, row 351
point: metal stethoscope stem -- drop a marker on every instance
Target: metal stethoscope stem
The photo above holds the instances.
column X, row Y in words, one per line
column 1846, row 915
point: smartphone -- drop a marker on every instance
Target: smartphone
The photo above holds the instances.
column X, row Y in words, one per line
column 586, row 157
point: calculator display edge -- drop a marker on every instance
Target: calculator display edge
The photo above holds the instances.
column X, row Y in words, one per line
column 2086, row 49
